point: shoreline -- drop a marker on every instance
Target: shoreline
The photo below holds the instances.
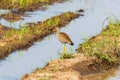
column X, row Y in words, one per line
column 18, row 39
column 86, row 64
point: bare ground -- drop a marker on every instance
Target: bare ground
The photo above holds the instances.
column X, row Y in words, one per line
column 77, row 68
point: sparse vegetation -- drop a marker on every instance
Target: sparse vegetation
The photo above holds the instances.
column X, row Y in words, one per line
column 23, row 5
column 104, row 46
column 26, row 35
column 67, row 14
column 65, row 54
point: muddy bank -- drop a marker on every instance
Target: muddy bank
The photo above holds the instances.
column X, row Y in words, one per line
column 17, row 39
column 3, row 30
column 77, row 68
column 22, row 6
column 18, row 9
column 97, row 59
column 11, row 17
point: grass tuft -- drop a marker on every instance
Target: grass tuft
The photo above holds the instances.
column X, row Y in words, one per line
column 104, row 46
column 65, row 54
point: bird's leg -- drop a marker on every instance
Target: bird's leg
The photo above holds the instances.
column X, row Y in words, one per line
column 64, row 51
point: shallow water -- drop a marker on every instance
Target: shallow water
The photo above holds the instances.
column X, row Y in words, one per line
column 4, row 11
column 96, row 11
column 36, row 16
column 116, row 77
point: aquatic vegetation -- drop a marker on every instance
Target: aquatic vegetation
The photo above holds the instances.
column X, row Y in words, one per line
column 104, row 46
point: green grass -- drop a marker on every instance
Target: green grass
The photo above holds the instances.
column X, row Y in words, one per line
column 21, row 3
column 112, row 30
column 104, row 46
column 24, row 30
column 67, row 15
column 66, row 54
column 56, row 21
column 25, row 3
column 17, row 33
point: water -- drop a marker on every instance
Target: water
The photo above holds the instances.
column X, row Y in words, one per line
column 96, row 11
column 116, row 77
column 4, row 11
column 53, row 10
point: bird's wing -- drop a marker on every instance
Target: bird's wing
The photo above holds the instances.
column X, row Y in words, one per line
column 63, row 37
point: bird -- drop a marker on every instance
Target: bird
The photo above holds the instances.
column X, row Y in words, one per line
column 63, row 37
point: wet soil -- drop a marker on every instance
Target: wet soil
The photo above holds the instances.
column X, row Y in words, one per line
column 78, row 68
column 16, row 11
column 18, row 39
column 11, row 17
column 35, row 5
column 3, row 30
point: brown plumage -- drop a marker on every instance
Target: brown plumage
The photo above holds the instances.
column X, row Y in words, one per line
column 63, row 37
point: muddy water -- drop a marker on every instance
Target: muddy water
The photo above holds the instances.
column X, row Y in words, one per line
column 96, row 11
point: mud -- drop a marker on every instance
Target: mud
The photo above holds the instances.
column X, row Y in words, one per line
column 11, row 17
column 31, row 7
column 77, row 68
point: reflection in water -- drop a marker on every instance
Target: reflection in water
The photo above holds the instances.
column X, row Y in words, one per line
column 21, row 62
